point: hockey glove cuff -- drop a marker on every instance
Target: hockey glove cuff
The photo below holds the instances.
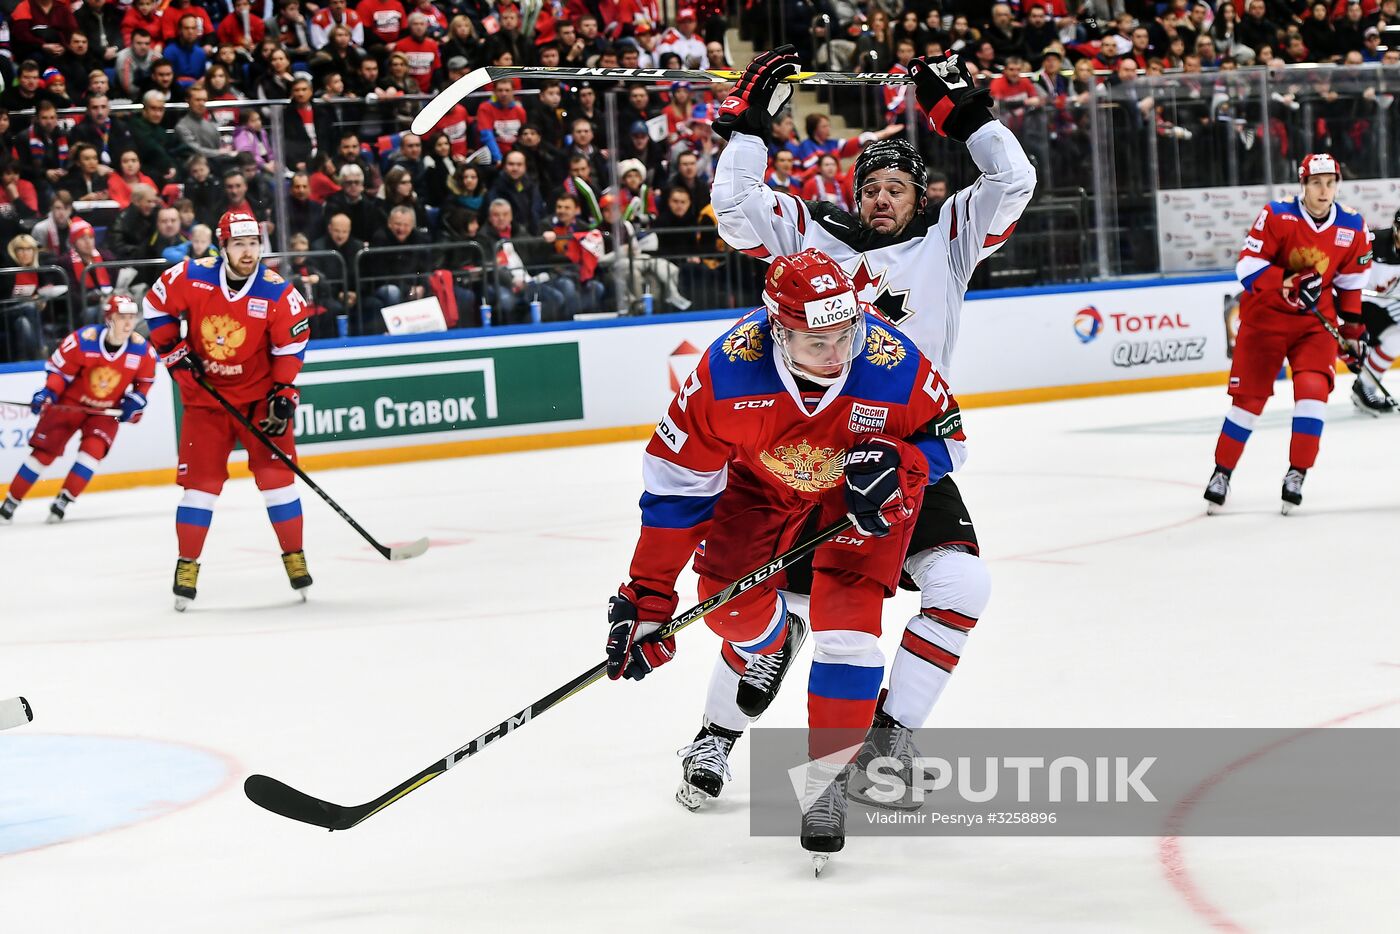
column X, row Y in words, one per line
column 760, row 94
column 956, row 109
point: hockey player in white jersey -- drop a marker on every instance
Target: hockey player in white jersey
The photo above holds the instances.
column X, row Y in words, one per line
column 913, row 265
column 1380, row 318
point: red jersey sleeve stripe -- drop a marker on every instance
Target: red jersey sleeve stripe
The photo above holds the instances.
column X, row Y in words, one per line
column 995, row 239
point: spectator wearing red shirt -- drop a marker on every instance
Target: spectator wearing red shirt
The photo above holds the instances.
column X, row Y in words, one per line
column 39, row 29
column 499, row 120
column 231, row 28
column 420, row 50
column 177, row 10
column 384, row 20
column 1015, row 93
column 143, row 14
column 335, row 14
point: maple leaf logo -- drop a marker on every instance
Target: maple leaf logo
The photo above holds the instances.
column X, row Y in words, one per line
column 872, row 289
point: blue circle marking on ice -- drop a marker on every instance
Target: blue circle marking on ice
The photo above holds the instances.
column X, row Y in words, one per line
column 56, row 789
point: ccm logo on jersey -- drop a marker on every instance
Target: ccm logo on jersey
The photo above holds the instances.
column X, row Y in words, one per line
column 868, row 418
column 670, row 435
column 754, row 404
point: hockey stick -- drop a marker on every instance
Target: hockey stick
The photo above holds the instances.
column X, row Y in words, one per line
column 15, row 712
column 1342, row 345
column 114, row 413
column 392, row 552
column 472, row 81
column 280, row 798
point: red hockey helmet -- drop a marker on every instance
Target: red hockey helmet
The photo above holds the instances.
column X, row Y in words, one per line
column 119, row 305
column 236, row 223
column 1318, row 163
column 816, row 318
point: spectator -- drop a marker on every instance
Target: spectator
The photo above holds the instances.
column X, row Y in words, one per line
column 277, row 83
column 199, row 245
column 689, row 177
column 39, row 29
column 780, row 177
column 174, row 16
column 437, row 170
column 18, row 199
column 511, row 285
column 258, row 185
column 27, row 93
column 56, row 86
column 231, row 29
column 365, row 214
column 827, row 185
column 547, row 113
column 463, row 42
column 199, row 133
column 508, row 39
column 21, row 301
column 1319, row 36
column 335, row 14
column 398, row 275
column 466, row 190
column 293, row 30
column 499, row 120
column 303, row 214
column 305, row 128
column 77, row 61
column 236, row 195
column 98, row 129
column 384, row 21
column 86, row 179
column 203, row 188
column 43, row 151
column 410, row 156
column 640, row 147
column 674, row 226
column 338, row 239
column 339, row 54
column 420, row 50
column 1350, row 29
column 82, row 261
column 156, row 144
column 544, row 163
column 168, row 236
column 101, row 22
column 319, row 290
column 398, row 192
column 323, row 177
column 1255, row 31
column 134, row 62
column 516, row 187
column 52, row 231
column 252, row 139
column 582, row 130
column 186, row 56
column 130, row 233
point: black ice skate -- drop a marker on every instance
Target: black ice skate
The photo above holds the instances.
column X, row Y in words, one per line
column 705, row 765
column 186, row 578
column 297, row 574
column 1293, row 489
column 1367, row 398
column 824, row 820
column 763, row 674
column 887, row 739
column 7, row 508
column 1217, row 489
column 59, row 507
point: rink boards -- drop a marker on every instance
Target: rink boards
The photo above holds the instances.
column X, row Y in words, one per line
column 387, row 399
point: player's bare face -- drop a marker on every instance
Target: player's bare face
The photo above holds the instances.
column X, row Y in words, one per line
column 1319, row 191
column 242, row 255
column 119, row 327
column 888, row 200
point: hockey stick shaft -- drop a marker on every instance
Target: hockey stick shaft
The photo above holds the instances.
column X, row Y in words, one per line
column 113, row 413
column 286, row 801
column 397, row 553
column 15, row 711
column 1342, row 345
column 473, row 81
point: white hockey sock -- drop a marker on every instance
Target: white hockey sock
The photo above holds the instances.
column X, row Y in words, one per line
column 955, row 588
column 1379, row 362
column 720, row 708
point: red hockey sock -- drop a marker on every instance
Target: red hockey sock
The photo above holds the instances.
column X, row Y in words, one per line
column 284, row 509
column 28, row 473
column 1309, row 414
column 192, row 520
column 847, row 664
column 1239, row 425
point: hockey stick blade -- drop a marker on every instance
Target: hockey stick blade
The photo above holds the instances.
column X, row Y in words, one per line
column 15, row 711
column 411, row 550
column 286, row 801
column 283, row 799
column 473, row 81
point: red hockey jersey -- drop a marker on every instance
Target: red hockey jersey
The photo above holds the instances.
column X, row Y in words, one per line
column 85, row 373
column 1285, row 240
column 247, row 339
column 742, row 404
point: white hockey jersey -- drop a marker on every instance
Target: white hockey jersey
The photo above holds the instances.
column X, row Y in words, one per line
column 1383, row 285
column 916, row 278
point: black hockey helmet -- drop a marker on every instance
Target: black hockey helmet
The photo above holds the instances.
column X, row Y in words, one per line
column 1395, row 221
column 893, row 153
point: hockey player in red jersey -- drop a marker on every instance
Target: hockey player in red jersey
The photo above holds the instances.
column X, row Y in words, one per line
column 95, row 370
column 813, row 403
column 245, row 334
column 1304, row 253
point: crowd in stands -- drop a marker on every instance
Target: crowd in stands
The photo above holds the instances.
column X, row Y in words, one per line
column 529, row 195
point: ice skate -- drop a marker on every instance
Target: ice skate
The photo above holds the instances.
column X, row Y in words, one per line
column 297, row 574
column 1293, row 489
column 887, row 739
column 59, row 507
column 186, row 578
column 824, row 820
column 705, row 765
column 7, row 509
column 1217, row 490
column 1367, row 398
column 763, row 674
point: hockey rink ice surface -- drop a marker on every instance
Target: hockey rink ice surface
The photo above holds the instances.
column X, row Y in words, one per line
column 1116, row 602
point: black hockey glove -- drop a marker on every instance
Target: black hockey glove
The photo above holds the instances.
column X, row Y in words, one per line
column 281, row 406
column 954, row 106
column 879, row 487
column 760, row 94
column 1305, row 291
column 633, row 650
